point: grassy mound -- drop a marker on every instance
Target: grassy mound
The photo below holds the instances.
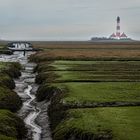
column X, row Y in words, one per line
column 9, row 99
column 8, row 71
column 47, row 77
column 12, row 69
column 45, row 92
column 117, row 123
column 11, row 127
column 7, row 81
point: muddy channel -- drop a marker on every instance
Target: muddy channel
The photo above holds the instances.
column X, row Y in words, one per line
column 33, row 113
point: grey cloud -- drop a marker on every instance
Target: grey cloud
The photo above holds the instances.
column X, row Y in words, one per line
column 66, row 19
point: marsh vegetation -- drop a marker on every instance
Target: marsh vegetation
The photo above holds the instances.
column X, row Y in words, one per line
column 94, row 90
column 11, row 126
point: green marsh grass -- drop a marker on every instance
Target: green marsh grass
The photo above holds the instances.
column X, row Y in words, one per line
column 118, row 123
column 81, row 93
column 95, row 84
column 11, row 126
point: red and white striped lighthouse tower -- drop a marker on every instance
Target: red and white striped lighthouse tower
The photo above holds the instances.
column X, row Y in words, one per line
column 118, row 34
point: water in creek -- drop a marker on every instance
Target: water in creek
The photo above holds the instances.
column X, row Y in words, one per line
column 34, row 114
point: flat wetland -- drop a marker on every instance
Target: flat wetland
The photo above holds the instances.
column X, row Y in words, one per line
column 93, row 88
column 96, row 88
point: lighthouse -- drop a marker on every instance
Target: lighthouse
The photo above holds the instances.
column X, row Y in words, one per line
column 118, row 28
column 118, row 34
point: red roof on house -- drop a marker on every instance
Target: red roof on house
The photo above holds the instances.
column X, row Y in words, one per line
column 123, row 35
column 113, row 35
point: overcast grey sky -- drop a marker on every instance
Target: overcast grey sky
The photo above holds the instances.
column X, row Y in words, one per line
column 67, row 19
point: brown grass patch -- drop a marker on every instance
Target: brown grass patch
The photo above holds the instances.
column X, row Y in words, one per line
column 86, row 45
column 78, row 54
column 87, row 50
